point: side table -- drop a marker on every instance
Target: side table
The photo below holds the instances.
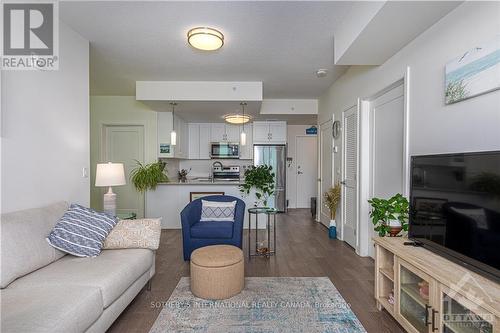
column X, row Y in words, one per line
column 270, row 215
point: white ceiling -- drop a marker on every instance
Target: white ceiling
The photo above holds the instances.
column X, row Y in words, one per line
column 211, row 112
column 281, row 44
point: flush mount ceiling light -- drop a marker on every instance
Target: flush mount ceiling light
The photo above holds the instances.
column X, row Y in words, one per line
column 206, row 39
column 237, row 119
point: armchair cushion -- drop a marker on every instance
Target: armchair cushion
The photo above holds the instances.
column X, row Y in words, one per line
column 217, row 211
column 212, row 229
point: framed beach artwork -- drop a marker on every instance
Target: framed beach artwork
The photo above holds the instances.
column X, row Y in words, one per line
column 474, row 73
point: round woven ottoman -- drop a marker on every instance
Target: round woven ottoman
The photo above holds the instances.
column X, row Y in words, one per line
column 217, row 271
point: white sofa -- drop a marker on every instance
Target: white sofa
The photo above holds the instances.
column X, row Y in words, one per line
column 44, row 290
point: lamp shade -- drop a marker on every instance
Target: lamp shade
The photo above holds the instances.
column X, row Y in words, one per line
column 110, row 174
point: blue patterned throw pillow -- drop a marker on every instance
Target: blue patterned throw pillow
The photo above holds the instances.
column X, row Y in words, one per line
column 81, row 231
column 217, row 211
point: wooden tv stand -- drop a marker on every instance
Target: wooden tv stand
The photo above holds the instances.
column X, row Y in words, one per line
column 431, row 293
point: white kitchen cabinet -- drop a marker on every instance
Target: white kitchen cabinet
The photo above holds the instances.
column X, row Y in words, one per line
column 204, row 142
column 277, row 131
column 232, row 133
column 199, row 141
column 269, row 132
column 165, row 124
column 225, row 133
column 260, row 132
column 218, row 132
column 194, row 141
column 246, row 151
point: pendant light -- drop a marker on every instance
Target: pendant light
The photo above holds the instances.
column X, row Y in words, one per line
column 243, row 135
column 173, row 134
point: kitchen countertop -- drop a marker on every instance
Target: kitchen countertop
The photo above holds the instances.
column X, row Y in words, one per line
column 204, row 182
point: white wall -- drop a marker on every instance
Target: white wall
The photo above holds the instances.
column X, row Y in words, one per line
column 45, row 130
column 291, row 171
column 470, row 125
column 118, row 110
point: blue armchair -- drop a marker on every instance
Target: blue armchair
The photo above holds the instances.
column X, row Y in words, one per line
column 196, row 233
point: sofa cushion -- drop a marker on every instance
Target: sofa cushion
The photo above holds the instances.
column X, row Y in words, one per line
column 51, row 309
column 212, row 229
column 112, row 272
column 135, row 234
column 23, row 245
column 82, row 231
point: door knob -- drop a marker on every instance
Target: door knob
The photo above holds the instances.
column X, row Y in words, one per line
column 299, row 172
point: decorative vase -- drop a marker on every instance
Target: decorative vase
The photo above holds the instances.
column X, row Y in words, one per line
column 332, row 229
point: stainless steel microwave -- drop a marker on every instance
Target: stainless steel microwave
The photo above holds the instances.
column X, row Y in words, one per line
column 224, row 150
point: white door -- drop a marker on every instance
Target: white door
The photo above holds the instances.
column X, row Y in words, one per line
column 350, row 176
column 307, row 170
column 260, row 132
column 387, row 136
column 204, row 141
column 326, row 168
column 277, row 131
column 125, row 144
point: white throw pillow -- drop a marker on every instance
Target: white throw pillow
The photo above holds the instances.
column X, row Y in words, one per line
column 135, row 234
column 217, row 211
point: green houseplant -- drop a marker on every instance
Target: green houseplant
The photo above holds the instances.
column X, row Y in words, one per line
column 389, row 215
column 147, row 176
column 260, row 178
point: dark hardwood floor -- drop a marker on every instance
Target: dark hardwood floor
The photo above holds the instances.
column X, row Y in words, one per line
column 303, row 249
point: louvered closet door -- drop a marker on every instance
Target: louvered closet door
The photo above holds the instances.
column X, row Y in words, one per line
column 350, row 170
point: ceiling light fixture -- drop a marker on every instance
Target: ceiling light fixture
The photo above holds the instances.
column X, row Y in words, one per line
column 206, row 39
column 236, row 119
column 243, row 135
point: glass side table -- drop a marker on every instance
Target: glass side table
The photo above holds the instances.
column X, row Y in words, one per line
column 264, row 248
column 126, row 216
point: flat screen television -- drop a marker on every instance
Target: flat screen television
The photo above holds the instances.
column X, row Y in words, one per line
column 455, row 208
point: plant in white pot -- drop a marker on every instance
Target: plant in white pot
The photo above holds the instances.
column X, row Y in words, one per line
column 389, row 215
column 261, row 179
column 332, row 199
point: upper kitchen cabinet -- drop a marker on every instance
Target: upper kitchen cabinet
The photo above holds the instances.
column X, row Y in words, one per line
column 199, row 141
column 165, row 125
column 224, row 133
column 269, row 132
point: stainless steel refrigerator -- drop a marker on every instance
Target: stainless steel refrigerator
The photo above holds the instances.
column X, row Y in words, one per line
column 275, row 156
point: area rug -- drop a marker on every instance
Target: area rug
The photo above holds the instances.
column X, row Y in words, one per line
column 267, row 304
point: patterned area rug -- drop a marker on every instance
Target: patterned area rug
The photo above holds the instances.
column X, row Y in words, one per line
column 267, row 304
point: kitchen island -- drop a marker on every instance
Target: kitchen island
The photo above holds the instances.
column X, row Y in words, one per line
column 169, row 199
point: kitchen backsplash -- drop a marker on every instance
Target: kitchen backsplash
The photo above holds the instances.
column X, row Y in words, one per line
column 203, row 168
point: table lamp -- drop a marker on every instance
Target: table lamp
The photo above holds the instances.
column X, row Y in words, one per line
column 110, row 174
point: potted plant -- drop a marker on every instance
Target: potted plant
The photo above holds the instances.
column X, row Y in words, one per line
column 261, row 179
column 147, row 176
column 332, row 199
column 389, row 215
